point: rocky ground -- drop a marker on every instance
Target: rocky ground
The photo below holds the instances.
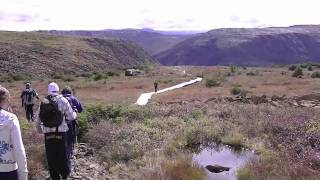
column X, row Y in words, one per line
column 86, row 166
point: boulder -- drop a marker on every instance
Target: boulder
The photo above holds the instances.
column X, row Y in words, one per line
column 217, row 168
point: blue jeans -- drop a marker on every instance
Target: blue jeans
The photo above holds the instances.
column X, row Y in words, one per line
column 13, row 175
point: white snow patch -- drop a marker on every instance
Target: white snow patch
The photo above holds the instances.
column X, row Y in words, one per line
column 144, row 98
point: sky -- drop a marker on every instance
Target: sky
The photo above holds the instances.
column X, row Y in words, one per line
column 171, row 15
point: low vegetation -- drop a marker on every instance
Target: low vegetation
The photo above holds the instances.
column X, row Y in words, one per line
column 315, row 74
column 217, row 80
column 298, row 72
column 10, row 77
column 158, row 141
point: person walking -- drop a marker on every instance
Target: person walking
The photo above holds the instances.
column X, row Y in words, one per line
column 155, row 84
column 72, row 125
column 53, row 115
column 28, row 99
column 13, row 162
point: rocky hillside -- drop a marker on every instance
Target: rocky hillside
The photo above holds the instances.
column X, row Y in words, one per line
column 42, row 54
column 253, row 47
column 152, row 41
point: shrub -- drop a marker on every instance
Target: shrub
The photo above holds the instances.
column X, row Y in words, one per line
column 179, row 168
column 6, row 78
column 212, row 83
column 297, row 72
column 216, row 80
column 292, row 67
column 182, row 168
column 252, row 73
column 236, row 90
column 233, row 69
column 115, row 114
column 315, row 74
column 97, row 77
column 112, row 73
column 165, row 81
column 310, row 68
column 68, row 78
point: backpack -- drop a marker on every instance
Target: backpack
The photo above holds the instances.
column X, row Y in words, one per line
column 49, row 114
column 29, row 94
column 70, row 102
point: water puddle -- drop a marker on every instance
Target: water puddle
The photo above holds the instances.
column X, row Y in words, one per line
column 220, row 158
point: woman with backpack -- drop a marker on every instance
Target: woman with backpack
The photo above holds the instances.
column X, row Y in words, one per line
column 13, row 162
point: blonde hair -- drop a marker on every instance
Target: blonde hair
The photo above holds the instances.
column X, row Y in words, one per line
column 4, row 94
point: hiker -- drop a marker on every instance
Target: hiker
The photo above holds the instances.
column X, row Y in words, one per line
column 28, row 99
column 13, row 162
column 72, row 125
column 155, row 86
column 54, row 114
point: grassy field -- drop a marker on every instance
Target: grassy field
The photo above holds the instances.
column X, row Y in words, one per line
column 156, row 141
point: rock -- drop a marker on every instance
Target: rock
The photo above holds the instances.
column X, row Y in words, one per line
column 259, row 99
column 217, row 168
column 274, row 103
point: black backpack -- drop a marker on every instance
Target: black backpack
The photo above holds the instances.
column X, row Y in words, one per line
column 29, row 95
column 50, row 115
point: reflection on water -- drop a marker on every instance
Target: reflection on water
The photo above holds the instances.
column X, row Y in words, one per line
column 223, row 156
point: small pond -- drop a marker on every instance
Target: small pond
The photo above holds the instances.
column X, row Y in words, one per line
column 223, row 156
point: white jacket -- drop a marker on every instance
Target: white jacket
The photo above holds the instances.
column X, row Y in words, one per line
column 12, row 152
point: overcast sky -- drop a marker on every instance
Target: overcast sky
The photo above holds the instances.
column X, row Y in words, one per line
column 23, row 15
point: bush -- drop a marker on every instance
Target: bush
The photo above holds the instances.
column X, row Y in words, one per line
column 6, row 78
column 166, row 81
column 181, row 167
column 216, row 80
column 315, row 74
column 212, row 83
column 112, row 73
column 292, row 67
column 233, row 69
column 115, row 114
column 98, row 77
column 252, row 73
column 10, row 77
column 297, row 72
column 310, row 68
column 236, row 90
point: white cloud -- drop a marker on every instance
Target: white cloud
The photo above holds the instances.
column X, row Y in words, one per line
column 164, row 14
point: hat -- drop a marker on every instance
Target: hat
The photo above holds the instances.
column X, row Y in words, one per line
column 53, row 88
column 66, row 90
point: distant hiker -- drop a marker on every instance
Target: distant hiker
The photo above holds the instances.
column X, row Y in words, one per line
column 54, row 114
column 155, row 86
column 72, row 125
column 28, row 99
column 13, row 162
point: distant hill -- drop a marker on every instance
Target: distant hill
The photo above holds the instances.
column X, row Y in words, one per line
column 151, row 40
column 41, row 54
column 253, row 47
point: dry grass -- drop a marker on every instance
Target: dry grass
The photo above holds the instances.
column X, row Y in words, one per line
column 179, row 120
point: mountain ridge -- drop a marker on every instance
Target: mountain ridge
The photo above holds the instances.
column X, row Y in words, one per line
column 247, row 46
column 42, row 54
column 152, row 41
